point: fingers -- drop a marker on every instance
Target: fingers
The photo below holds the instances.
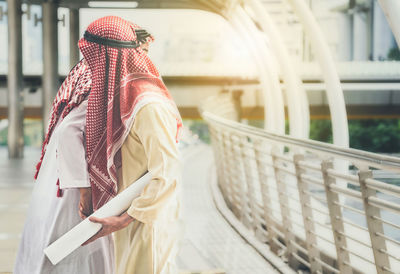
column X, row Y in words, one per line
column 94, row 219
column 82, row 213
column 109, row 225
column 83, row 216
column 86, row 211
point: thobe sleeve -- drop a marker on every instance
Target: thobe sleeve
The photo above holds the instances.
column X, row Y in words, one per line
column 71, row 154
column 156, row 128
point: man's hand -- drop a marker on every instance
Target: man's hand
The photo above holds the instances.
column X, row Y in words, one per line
column 109, row 225
column 85, row 203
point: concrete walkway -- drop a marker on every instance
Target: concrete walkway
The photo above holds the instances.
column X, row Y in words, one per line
column 209, row 244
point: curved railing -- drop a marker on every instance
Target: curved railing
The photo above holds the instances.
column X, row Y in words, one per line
column 285, row 191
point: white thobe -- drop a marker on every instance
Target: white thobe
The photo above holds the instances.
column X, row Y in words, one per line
column 49, row 216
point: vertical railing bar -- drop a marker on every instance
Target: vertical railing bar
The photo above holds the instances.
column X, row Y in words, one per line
column 240, row 183
column 311, row 240
column 251, row 191
column 232, row 179
column 287, row 225
column 336, row 218
column 217, row 158
column 374, row 225
column 265, row 198
column 224, row 183
column 236, row 182
column 229, row 181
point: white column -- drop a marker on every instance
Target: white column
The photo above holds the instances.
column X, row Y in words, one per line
column 360, row 37
column 73, row 36
column 50, row 58
column 345, row 44
column 14, row 81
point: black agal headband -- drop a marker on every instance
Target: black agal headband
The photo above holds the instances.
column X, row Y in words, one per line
column 141, row 36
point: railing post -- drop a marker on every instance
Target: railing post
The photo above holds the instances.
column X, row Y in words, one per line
column 311, row 239
column 236, row 197
column 375, row 227
column 241, row 183
column 284, row 205
column 266, row 200
column 228, row 173
column 335, row 214
column 219, row 159
column 249, row 182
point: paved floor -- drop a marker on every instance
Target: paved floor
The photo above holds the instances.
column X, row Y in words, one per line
column 209, row 244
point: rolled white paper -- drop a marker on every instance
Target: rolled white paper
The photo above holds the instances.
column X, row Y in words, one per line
column 80, row 233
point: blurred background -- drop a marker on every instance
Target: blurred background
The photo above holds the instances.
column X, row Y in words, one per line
column 322, row 70
column 198, row 54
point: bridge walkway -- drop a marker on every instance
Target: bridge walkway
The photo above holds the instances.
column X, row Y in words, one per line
column 209, row 244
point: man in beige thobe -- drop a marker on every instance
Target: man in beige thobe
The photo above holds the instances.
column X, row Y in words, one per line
column 146, row 234
column 148, row 242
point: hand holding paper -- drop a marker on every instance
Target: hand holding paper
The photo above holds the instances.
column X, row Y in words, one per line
column 83, row 231
column 109, row 225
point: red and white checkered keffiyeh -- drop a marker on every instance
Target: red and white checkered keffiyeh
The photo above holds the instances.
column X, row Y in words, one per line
column 124, row 79
column 72, row 92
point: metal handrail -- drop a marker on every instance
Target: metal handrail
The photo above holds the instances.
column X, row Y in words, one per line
column 373, row 159
column 295, row 199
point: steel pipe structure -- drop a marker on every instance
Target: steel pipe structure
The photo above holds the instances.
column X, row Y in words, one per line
column 299, row 117
column 14, row 81
column 273, row 119
column 273, row 98
column 391, row 8
column 334, row 90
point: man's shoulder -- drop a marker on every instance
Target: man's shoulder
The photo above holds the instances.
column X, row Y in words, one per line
column 154, row 108
column 154, row 116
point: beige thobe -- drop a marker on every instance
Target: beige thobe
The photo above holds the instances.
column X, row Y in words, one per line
column 149, row 244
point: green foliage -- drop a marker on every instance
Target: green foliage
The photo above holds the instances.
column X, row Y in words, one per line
column 321, row 130
column 32, row 133
column 375, row 135
column 200, row 128
column 394, row 54
column 3, row 137
column 256, row 123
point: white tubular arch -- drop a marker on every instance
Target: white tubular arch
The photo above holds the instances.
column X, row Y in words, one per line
column 299, row 116
column 264, row 81
column 333, row 87
column 391, row 8
column 275, row 99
